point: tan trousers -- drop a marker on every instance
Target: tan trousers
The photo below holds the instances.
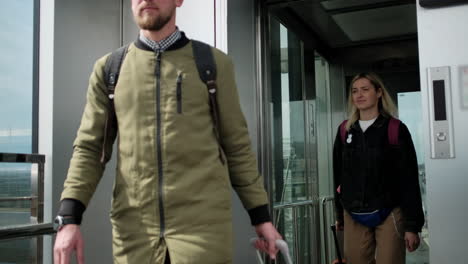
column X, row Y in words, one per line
column 383, row 244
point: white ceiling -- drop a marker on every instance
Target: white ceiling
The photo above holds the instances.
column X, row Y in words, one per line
column 378, row 23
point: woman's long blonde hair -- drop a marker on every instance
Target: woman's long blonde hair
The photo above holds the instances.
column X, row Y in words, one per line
column 386, row 105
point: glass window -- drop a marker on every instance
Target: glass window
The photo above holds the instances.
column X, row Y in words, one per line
column 300, row 145
column 17, row 86
column 18, row 122
column 291, row 178
column 18, row 42
column 17, row 59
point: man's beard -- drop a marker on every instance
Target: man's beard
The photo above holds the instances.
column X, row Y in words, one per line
column 152, row 23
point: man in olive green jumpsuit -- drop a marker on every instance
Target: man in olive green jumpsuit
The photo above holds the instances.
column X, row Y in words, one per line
column 171, row 200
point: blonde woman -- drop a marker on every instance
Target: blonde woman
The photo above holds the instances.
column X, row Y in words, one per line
column 378, row 200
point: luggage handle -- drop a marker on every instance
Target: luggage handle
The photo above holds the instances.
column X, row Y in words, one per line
column 280, row 244
column 337, row 245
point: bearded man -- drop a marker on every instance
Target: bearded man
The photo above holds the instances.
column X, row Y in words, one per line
column 172, row 194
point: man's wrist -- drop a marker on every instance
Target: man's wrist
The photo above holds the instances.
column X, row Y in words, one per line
column 72, row 208
column 60, row 221
column 259, row 215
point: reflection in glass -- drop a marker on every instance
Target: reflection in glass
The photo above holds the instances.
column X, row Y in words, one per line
column 288, row 113
column 409, row 109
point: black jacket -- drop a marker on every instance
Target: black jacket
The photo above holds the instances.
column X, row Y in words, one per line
column 374, row 174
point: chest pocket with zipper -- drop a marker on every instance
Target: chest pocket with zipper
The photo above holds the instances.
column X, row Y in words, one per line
column 179, row 80
column 189, row 94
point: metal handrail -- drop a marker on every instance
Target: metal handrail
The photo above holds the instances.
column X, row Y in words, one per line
column 25, row 231
column 14, row 199
column 294, row 204
column 22, row 158
column 324, row 202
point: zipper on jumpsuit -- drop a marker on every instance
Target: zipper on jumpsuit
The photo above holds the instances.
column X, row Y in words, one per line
column 158, row 142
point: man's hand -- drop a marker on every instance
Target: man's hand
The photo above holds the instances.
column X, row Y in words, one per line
column 68, row 240
column 411, row 241
column 269, row 235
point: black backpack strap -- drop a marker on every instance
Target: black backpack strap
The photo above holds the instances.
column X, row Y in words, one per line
column 205, row 61
column 111, row 76
column 112, row 70
column 206, row 67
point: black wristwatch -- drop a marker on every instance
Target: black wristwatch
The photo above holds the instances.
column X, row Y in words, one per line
column 60, row 221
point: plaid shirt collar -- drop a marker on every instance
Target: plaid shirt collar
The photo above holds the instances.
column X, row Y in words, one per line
column 162, row 45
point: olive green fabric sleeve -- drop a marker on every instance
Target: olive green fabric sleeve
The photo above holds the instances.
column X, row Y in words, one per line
column 243, row 170
column 86, row 169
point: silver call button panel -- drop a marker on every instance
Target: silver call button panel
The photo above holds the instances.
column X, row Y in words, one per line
column 440, row 113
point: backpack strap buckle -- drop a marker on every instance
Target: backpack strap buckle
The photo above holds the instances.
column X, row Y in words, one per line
column 211, row 85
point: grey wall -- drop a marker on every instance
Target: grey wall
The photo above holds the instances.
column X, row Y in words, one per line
column 84, row 31
column 442, row 42
column 241, row 48
column 130, row 29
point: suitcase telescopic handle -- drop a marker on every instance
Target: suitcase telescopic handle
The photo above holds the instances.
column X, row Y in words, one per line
column 337, row 245
column 280, row 244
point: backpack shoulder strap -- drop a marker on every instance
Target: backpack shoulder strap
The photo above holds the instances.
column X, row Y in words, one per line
column 343, row 131
column 111, row 76
column 205, row 61
column 112, row 69
column 206, row 67
column 393, row 131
